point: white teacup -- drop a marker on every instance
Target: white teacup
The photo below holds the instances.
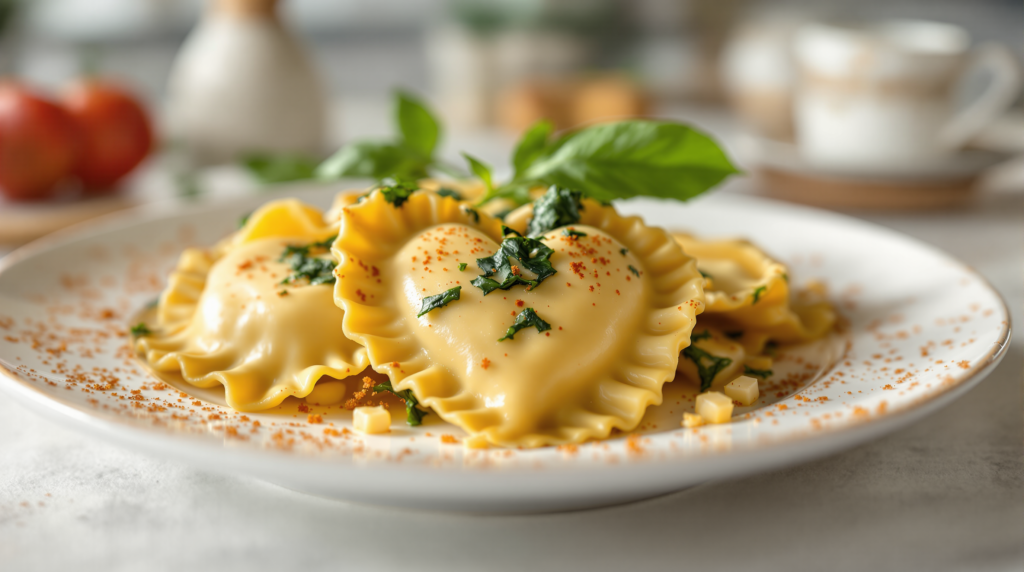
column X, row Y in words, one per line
column 884, row 94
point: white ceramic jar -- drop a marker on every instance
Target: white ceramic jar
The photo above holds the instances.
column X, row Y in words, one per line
column 242, row 84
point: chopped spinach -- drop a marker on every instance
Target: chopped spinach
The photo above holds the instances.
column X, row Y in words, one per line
column 558, row 207
column 527, row 318
column 413, row 415
column 707, row 372
column 516, row 256
column 440, row 300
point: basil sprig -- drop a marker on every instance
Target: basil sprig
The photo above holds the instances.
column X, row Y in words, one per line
column 618, row 160
column 439, row 300
column 413, row 414
column 526, row 319
column 270, row 169
column 410, row 155
column 508, row 267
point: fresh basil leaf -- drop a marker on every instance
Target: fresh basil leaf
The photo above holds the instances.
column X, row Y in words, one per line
column 446, row 192
column 531, row 146
column 462, row 266
column 762, row 373
column 472, row 213
column 507, row 230
column 141, row 329
column 269, row 169
column 508, row 267
column 708, row 366
column 558, row 207
column 440, row 300
column 413, row 414
column 573, row 233
column 373, row 160
column 418, row 126
column 527, row 318
column 481, row 170
column 633, row 158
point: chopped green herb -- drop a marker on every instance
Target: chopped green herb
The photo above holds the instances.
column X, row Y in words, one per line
column 472, row 213
column 525, row 319
column 305, row 265
column 440, row 300
column 501, row 215
column 771, row 349
column 462, row 266
column 398, row 193
column 446, row 192
column 634, row 270
column 558, row 207
column 762, row 373
column 705, row 335
column 505, row 231
column 706, row 275
column 282, row 292
column 757, row 293
column 707, row 371
column 244, row 219
column 413, row 415
column 785, row 277
column 735, row 335
column 141, row 329
column 516, row 257
column 623, row 251
column 572, row 233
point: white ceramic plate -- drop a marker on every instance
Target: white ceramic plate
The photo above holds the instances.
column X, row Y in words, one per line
column 922, row 330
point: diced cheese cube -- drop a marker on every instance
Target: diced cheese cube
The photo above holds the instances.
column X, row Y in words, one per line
column 714, row 407
column 326, row 393
column 691, row 420
column 743, row 389
column 371, row 419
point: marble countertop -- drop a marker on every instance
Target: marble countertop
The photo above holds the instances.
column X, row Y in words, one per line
column 943, row 494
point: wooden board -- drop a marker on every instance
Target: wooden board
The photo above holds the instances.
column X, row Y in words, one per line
column 23, row 222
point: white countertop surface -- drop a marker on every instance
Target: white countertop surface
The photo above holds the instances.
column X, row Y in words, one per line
column 943, row 494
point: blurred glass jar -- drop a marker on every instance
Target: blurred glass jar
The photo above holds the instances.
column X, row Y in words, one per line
column 242, row 84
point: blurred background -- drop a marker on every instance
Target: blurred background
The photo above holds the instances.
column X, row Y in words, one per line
column 222, row 80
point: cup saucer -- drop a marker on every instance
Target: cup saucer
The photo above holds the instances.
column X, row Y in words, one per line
column 784, row 173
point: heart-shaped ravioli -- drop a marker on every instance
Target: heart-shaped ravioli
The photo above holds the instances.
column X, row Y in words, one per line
column 255, row 313
column 520, row 341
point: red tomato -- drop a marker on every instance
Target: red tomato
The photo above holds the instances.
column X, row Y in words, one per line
column 116, row 130
column 39, row 144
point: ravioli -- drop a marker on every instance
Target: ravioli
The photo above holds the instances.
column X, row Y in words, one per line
column 748, row 294
column 610, row 324
column 226, row 318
